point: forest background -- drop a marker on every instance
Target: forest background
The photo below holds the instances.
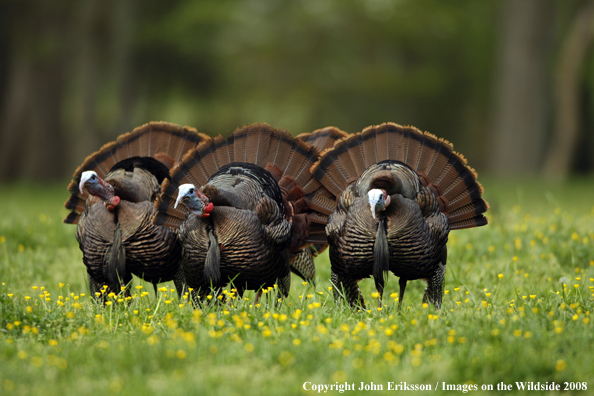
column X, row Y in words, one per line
column 510, row 83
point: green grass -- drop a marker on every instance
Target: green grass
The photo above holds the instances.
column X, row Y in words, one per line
column 518, row 304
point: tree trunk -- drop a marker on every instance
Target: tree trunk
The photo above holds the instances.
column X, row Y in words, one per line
column 568, row 82
column 521, row 95
column 31, row 142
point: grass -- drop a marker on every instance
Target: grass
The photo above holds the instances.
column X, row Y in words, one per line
column 518, row 307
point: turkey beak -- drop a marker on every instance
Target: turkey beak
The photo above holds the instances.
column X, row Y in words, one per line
column 81, row 186
column 180, row 198
column 373, row 200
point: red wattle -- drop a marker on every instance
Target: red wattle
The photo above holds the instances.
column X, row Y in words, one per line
column 115, row 201
column 208, row 208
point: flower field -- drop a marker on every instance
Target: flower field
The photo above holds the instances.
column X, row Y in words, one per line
column 518, row 307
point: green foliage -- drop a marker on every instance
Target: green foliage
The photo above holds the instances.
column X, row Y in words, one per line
column 517, row 307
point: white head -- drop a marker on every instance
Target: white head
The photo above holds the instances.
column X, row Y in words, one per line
column 99, row 188
column 194, row 200
column 378, row 200
column 185, row 192
column 87, row 179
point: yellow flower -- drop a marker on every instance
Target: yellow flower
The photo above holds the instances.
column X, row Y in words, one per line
column 560, row 365
column 52, row 342
column 517, row 333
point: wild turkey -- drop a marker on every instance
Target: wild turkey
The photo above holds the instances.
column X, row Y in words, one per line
column 115, row 232
column 400, row 192
column 266, row 206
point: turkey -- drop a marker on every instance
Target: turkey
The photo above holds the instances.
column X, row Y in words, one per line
column 112, row 202
column 400, row 192
column 243, row 205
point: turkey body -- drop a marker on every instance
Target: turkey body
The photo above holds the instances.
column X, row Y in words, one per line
column 415, row 230
column 247, row 232
column 125, row 238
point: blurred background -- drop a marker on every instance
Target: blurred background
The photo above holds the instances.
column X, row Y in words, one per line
column 509, row 82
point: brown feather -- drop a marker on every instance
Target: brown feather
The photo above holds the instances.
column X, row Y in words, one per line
column 149, row 140
column 322, row 139
column 382, row 148
column 239, row 144
column 368, row 146
column 452, row 181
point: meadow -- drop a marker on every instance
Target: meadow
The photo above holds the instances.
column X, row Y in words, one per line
column 519, row 297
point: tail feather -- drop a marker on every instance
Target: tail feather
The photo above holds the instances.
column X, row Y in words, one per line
column 322, row 139
column 279, row 152
column 356, row 155
column 475, row 221
column 317, row 218
column 368, row 146
column 301, row 160
column 224, row 156
column 435, row 161
column 413, row 147
column 258, row 145
column 158, row 140
column 382, row 148
column 328, row 172
column 322, row 204
column 239, row 145
column 288, row 160
column 396, row 142
column 317, row 238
